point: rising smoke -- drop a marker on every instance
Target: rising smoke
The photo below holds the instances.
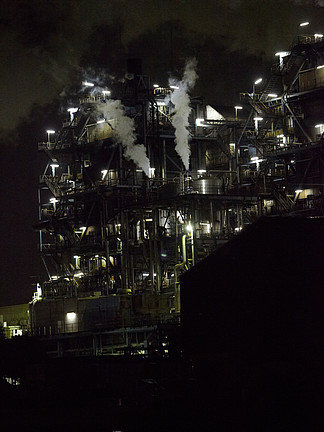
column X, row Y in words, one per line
column 181, row 111
column 55, row 39
column 125, row 133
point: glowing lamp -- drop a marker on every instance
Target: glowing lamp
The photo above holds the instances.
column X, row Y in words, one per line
column 71, row 316
column 189, row 228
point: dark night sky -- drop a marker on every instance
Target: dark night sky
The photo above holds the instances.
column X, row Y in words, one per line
column 47, row 47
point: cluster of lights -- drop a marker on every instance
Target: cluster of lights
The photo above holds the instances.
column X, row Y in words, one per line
column 171, row 86
column 90, row 84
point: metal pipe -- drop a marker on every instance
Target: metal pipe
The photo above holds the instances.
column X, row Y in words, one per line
column 176, row 268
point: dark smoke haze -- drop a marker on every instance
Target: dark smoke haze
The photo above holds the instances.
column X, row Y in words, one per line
column 46, row 45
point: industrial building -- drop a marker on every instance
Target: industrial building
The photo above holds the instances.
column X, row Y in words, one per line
column 140, row 187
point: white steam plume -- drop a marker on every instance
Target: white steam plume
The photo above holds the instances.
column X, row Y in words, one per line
column 125, row 132
column 181, row 110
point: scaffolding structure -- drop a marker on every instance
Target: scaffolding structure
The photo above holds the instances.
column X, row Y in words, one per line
column 118, row 239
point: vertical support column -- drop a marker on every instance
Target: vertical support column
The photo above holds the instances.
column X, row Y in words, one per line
column 163, row 161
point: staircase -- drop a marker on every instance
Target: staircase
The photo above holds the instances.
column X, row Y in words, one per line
column 284, row 202
column 52, row 184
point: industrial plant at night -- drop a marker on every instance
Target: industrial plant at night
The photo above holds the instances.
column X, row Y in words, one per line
column 149, row 194
column 143, row 182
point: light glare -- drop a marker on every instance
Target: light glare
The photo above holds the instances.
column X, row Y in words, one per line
column 71, row 316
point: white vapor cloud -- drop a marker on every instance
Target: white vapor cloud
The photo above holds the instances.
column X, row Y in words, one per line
column 125, row 133
column 181, row 111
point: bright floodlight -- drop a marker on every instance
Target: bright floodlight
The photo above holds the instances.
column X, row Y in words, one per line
column 106, row 92
column 156, row 85
column 318, row 35
column 297, row 191
column 320, row 67
column 49, row 131
column 189, row 228
column 88, row 84
column 258, row 118
column 104, row 173
column 272, row 95
column 303, row 24
column 258, row 81
column 72, row 110
column 101, row 121
column 174, row 87
column 71, row 316
column 237, row 107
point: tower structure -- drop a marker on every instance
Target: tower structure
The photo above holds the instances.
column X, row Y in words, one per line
column 121, row 218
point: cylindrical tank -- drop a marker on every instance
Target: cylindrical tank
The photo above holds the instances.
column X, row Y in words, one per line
column 208, row 185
